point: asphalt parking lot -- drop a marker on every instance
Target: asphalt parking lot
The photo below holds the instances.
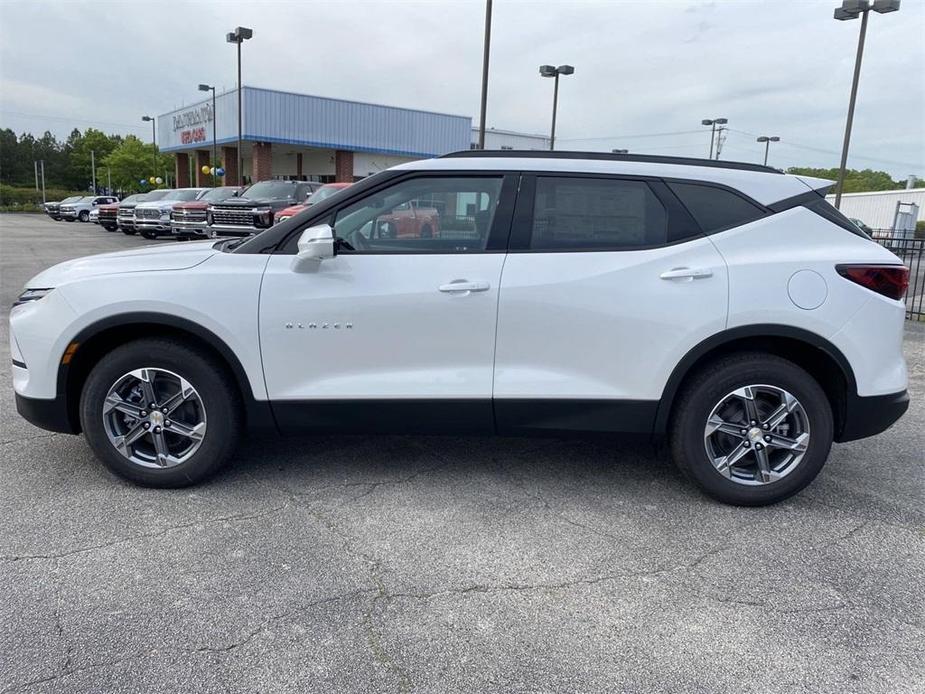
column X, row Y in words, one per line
column 438, row 564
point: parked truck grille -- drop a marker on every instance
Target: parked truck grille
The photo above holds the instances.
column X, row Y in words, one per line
column 188, row 215
column 233, row 217
column 147, row 214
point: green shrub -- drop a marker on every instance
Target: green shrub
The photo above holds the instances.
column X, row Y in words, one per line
column 13, row 198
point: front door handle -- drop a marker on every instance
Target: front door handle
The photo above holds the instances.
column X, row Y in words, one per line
column 686, row 273
column 464, row 287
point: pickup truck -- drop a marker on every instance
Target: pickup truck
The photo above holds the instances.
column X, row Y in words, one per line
column 53, row 209
column 152, row 217
column 410, row 220
column 80, row 209
column 126, row 215
column 323, row 193
column 254, row 210
column 188, row 219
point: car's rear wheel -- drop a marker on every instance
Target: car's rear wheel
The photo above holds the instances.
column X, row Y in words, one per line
column 751, row 429
column 160, row 413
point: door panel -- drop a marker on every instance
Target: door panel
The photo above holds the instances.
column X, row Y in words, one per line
column 603, row 324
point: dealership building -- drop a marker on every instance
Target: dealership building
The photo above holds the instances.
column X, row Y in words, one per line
column 305, row 137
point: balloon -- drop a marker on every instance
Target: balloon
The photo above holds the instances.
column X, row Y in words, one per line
column 152, row 180
column 205, row 169
column 212, row 171
column 158, row 180
column 219, row 171
column 143, row 181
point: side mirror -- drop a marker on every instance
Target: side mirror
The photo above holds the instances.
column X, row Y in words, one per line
column 315, row 244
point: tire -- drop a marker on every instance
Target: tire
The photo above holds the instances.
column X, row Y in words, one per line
column 67, row 219
column 150, row 235
column 83, row 216
column 109, row 227
column 128, row 232
column 214, row 401
column 710, row 397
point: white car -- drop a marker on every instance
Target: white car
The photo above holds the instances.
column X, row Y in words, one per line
column 726, row 306
column 80, row 209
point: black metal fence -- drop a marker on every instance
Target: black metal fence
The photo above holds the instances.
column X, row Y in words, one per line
column 910, row 251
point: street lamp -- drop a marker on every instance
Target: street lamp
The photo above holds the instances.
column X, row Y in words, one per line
column 239, row 36
column 713, row 123
column 851, row 9
column 552, row 71
column 153, row 138
column 767, row 143
column 206, row 88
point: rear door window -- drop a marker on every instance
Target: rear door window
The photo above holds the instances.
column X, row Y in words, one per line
column 595, row 214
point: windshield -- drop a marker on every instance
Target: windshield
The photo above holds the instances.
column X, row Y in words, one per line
column 87, row 198
column 323, row 193
column 182, row 195
column 219, row 194
column 156, row 195
column 138, row 197
column 73, row 198
column 270, row 189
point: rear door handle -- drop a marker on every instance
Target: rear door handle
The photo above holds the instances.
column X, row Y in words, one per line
column 686, row 273
column 464, row 287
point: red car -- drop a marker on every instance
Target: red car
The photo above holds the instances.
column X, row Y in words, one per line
column 410, row 220
column 322, row 193
column 108, row 216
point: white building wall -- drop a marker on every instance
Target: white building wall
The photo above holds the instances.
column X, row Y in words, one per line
column 366, row 164
column 508, row 139
column 877, row 209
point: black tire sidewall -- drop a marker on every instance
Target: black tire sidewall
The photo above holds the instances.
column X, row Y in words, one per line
column 717, row 381
column 219, row 397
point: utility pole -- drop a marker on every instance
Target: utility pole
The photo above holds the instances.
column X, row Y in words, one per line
column 43, row 181
column 35, row 164
column 486, row 48
column 93, row 168
column 109, row 180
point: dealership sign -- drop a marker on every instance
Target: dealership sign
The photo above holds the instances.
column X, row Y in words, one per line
column 191, row 124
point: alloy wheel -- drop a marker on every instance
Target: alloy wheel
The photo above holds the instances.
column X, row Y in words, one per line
column 154, row 417
column 757, row 435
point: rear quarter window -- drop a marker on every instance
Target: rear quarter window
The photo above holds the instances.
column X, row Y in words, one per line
column 716, row 209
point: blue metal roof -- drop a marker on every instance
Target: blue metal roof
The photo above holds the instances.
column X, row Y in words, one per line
column 314, row 121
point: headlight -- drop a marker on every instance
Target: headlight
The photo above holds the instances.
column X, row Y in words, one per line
column 31, row 295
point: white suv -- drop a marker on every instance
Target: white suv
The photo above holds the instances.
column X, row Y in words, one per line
column 727, row 306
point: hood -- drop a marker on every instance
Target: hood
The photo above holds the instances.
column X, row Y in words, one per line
column 292, row 210
column 156, row 205
column 191, row 205
column 253, row 202
column 174, row 256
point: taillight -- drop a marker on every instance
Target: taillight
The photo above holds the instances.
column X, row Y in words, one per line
column 891, row 281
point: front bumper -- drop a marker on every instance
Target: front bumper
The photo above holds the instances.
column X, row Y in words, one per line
column 868, row 416
column 51, row 415
column 190, row 229
column 158, row 226
column 235, row 230
column 68, row 214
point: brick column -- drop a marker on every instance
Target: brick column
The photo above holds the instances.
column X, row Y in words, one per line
column 230, row 159
column 204, row 158
column 261, row 161
column 298, row 165
column 343, row 166
column 182, row 170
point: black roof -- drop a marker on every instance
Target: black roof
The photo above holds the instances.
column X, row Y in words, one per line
column 608, row 156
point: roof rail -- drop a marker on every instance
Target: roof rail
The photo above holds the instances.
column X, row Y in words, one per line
column 608, row 156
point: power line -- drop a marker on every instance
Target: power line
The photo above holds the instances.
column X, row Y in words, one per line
column 71, row 120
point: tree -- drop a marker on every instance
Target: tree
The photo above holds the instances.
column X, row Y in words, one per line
column 80, row 160
column 132, row 160
column 856, row 181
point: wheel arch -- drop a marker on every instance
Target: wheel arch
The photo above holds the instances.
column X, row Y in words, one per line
column 103, row 336
column 806, row 349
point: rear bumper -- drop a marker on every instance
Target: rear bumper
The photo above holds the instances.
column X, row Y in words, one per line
column 867, row 416
column 46, row 414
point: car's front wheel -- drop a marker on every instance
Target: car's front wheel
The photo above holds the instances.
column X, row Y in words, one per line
column 128, row 232
column 84, row 216
column 751, row 429
column 160, row 413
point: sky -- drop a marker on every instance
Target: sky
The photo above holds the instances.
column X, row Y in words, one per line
column 646, row 72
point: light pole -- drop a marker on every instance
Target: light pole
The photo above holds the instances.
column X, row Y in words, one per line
column 713, row 123
column 239, row 36
column 486, row 48
column 205, row 88
column 552, row 71
column 851, row 9
column 153, row 139
column 93, row 169
column 767, row 143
